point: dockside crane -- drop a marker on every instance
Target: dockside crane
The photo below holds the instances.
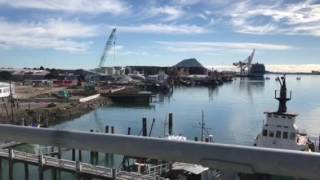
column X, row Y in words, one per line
column 110, row 42
column 245, row 65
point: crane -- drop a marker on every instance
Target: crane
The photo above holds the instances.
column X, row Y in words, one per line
column 245, row 65
column 110, row 42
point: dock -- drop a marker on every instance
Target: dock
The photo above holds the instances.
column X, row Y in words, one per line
column 77, row 167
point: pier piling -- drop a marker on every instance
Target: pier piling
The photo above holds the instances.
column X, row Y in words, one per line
column 80, row 155
column 112, row 129
column 107, row 129
column 170, row 123
column 129, row 130
column 10, row 162
column 73, row 154
column 26, row 171
column 144, row 127
column 59, row 152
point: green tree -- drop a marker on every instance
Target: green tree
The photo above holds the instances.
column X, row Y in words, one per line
column 5, row 75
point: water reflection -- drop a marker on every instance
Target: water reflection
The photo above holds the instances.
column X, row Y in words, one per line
column 212, row 91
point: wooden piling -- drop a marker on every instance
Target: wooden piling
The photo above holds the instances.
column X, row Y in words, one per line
column 73, row 154
column 26, row 171
column 144, row 127
column 59, row 152
column 107, row 129
column 170, row 123
column 112, row 130
column 80, row 155
column 10, row 162
column 129, row 130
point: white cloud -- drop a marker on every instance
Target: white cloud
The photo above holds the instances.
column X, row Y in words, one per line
column 272, row 17
column 164, row 29
column 73, row 6
column 53, row 34
column 201, row 47
column 186, row 2
column 170, row 13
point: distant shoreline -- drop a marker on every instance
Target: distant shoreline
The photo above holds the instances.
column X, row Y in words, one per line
column 294, row 73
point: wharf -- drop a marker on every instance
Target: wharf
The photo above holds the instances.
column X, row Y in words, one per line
column 77, row 167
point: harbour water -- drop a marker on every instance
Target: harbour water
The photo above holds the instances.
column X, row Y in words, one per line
column 233, row 113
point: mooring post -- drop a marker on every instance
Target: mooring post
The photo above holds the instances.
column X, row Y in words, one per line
column 107, row 129
column 11, row 156
column 92, row 153
column 26, row 171
column 170, row 123
column 40, row 166
column 73, row 154
column 144, row 127
column 59, row 152
column 195, row 138
column 129, row 130
column 80, row 155
column 112, row 130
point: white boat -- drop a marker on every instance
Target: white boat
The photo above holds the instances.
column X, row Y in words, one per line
column 279, row 129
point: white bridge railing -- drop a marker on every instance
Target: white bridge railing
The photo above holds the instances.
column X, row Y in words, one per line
column 213, row 155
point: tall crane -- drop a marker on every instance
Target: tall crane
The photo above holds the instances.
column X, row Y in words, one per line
column 111, row 42
column 245, row 65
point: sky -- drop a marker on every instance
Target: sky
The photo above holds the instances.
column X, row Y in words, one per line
column 72, row 34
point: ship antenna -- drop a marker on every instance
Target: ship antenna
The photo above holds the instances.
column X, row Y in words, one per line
column 283, row 95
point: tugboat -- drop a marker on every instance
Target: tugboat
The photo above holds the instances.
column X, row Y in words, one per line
column 280, row 130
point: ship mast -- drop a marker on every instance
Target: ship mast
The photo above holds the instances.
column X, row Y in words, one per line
column 283, row 96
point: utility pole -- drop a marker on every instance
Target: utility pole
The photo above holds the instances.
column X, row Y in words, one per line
column 11, row 101
column 202, row 125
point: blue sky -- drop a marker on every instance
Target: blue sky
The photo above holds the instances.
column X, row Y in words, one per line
column 71, row 34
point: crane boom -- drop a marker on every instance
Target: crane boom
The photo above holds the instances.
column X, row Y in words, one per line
column 245, row 65
column 109, row 43
column 250, row 58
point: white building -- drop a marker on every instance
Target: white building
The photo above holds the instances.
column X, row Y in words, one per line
column 5, row 89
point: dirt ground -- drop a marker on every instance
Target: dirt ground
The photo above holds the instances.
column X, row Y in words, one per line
column 38, row 104
column 27, row 92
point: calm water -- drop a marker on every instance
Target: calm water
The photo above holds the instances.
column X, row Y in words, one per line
column 233, row 112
